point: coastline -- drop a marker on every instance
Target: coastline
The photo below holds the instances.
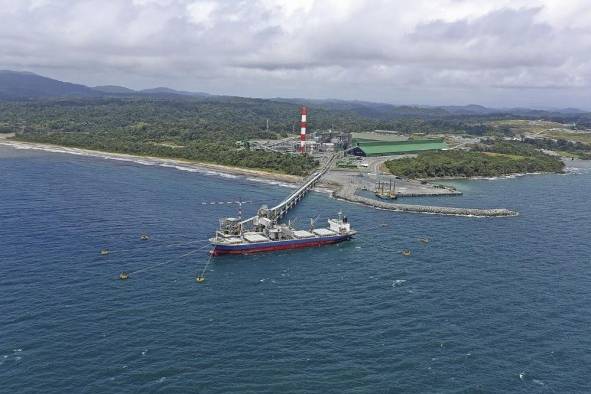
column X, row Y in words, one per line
column 335, row 189
column 180, row 164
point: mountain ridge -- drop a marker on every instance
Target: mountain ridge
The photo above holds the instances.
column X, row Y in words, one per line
column 15, row 85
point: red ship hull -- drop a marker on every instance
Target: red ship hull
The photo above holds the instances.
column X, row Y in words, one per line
column 276, row 246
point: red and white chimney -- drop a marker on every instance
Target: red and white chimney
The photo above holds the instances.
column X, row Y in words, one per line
column 303, row 127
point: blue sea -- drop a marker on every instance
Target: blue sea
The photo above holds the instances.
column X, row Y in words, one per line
column 487, row 306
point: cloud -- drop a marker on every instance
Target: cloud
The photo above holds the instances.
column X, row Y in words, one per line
column 201, row 13
column 391, row 50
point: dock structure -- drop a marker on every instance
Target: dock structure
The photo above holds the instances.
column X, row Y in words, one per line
column 279, row 210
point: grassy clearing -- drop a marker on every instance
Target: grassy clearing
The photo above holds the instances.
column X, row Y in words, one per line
column 519, row 126
column 583, row 137
column 515, row 157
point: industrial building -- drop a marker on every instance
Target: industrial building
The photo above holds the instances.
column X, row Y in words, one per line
column 378, row 135
column 386, row 148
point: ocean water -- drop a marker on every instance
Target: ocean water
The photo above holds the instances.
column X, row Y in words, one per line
column 488, row 305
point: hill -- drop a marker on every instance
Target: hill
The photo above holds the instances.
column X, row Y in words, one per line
column 114, row 89
column 18, row 85
column 169, row 91
column 26, row 85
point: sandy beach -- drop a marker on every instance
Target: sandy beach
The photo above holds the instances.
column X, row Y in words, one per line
column 185, row 165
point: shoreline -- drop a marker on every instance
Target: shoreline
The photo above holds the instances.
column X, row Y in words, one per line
column 180, row 164
column 334, row 189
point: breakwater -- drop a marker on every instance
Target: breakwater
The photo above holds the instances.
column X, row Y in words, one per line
column 429, row 194
column 347, row 193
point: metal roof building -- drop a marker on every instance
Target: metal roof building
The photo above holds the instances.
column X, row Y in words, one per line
column 381, row 148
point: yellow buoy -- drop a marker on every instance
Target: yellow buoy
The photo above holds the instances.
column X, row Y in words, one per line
column 104, row 252
column 406, row 252
column 124, row 275
column 199, row 279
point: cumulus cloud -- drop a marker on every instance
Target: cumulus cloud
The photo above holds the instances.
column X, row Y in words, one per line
column 516, row 52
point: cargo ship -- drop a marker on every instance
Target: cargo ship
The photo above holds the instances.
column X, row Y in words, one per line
column 266, row 235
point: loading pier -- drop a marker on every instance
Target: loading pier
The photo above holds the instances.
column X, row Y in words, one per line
column 279, row 210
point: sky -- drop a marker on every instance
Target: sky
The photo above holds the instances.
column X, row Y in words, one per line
column 498, row 53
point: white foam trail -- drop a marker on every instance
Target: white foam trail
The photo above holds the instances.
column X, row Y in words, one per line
column 272, row 182
column 398, row 282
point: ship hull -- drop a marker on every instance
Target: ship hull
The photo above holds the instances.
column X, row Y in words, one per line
column 272, row 246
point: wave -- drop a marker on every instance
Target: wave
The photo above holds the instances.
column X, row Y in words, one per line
column 272, row 182
column 398, row 282
column 576, row 170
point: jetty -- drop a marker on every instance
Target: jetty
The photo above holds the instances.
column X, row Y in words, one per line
column 348, row 193
column 279, row 210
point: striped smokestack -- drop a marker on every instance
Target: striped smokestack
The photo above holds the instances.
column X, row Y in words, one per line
column 303, row 127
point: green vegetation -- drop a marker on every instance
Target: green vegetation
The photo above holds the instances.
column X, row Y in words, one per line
column 201, row 151
column 494, row 159
column 346, row 163
column 564, row 147
column 218, row 117
column 522, row 126
column 568, row 128
column 213, row 132
column 578, row 136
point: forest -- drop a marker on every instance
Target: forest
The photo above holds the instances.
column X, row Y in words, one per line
column 230, row 118
column 486, row 160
